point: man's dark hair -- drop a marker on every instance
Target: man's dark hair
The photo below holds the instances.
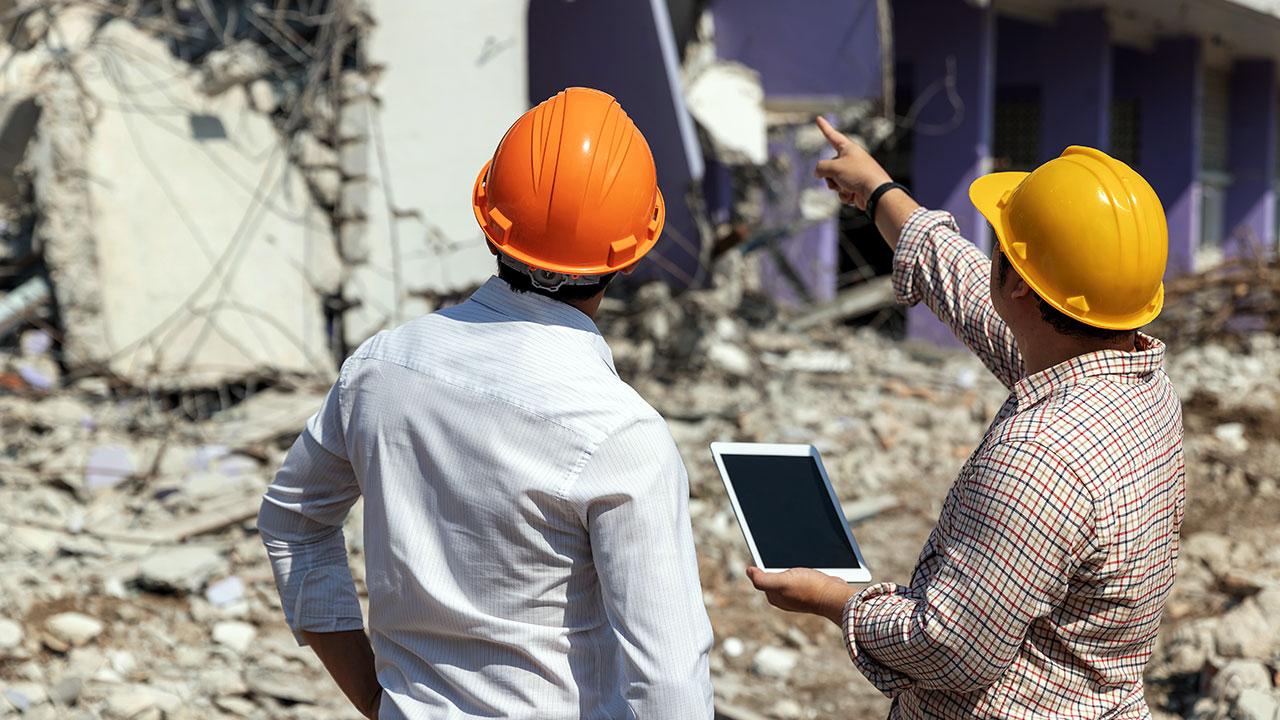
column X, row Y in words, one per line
column 522, row 283
column 1058, row 320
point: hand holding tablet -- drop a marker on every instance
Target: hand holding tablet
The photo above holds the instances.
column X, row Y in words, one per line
column 788, row 512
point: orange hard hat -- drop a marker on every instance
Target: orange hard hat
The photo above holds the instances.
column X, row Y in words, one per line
column 571, row 188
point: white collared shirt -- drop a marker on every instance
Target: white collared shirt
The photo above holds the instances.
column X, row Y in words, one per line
column 527, row 541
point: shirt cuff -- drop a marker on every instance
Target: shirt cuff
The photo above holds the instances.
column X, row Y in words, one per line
column 326, row 602
column 858, row 610
column 913, row 242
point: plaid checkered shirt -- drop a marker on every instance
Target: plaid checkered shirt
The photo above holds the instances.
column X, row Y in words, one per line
column 1039, row 592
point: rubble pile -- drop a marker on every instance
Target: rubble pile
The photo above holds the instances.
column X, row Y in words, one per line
column 132, row 583
column 1227, row 303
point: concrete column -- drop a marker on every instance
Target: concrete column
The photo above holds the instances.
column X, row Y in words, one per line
column 941, row 38
column 1171, row 93
column 1077, row 83
column 1251, row 199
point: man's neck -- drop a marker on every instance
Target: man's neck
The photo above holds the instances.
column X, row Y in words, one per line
column 1043, row 352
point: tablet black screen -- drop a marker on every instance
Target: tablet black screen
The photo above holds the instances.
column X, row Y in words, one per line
column 787, row 507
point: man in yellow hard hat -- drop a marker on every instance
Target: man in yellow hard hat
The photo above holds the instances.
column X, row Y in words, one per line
column 1040, row 590
column 528, row 552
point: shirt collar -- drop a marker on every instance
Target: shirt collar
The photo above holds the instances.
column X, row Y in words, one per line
column 1118, row 364
column 498, row 296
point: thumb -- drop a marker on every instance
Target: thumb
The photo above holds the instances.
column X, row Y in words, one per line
column 835, row 137
column 827, row 170
column 764, row 580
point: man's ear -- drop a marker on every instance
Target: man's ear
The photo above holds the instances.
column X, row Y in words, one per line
column 1020, row 288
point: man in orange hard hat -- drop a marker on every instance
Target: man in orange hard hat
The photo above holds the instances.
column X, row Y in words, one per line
column 528, row 552
column 1040, row 590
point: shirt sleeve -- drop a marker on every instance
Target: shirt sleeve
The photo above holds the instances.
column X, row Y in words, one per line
column 1011, row 535
column 301, row 526
column 632, row 497
column 934, row 264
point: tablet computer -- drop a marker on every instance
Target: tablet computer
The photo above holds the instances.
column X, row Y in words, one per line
column 787, row 510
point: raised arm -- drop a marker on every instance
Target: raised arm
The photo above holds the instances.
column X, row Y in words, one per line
column 301, row 526
column 932, row 263
column 632, row 497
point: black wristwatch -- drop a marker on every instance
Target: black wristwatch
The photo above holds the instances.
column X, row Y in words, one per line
column 878, row 193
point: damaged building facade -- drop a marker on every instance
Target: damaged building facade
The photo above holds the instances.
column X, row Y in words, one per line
column 305, row 177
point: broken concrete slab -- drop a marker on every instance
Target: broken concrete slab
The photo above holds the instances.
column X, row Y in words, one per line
column 180, row 569
column 223, row 275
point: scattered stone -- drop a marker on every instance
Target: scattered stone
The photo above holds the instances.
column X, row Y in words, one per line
column 1232, row 435
column 182, row 569
column 11, row 634
column 108, row 466
column 289, row 688
column 73, row 628
column 238, row 636
column 733, row 647
column 775, row 662
column 1256, row 704
column 729, row 358
column 131, row 701
column 225, row 592
column 66, row 691
column 235, row 706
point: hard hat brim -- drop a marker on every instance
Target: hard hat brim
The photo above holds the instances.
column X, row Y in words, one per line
column 987, row 193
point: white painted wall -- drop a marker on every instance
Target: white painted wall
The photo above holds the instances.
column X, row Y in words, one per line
column 456, row 77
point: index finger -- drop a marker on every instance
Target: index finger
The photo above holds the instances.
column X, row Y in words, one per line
column 833, row 136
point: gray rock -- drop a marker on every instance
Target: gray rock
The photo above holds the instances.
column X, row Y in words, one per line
column 280, row 686
column 73, row 628
column 729, row 359
column 67, row 690
column 1238, row 676
column 11, row 634
column 1256, row 704
column 134, row 700
column 181, row 569
column 775, row 662
column 238, row 636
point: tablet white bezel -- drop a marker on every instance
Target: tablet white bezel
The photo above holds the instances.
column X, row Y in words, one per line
column 851, row 575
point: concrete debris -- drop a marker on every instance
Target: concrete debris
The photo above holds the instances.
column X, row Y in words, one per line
column 73, row 629
column 775, row 662
column 728, row 102
column 238, row 64
column 238, row 636
column 11, row 634
column 225, row 592
column 181, row 569
column 108, row 466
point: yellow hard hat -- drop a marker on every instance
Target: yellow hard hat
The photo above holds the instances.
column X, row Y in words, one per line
column 1086, row 232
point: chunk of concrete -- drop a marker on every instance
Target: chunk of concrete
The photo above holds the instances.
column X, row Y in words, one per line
column 73, row 628
column 181, row 569
column 182, row 253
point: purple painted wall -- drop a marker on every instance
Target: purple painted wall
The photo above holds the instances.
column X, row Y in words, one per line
column 1251, row 199
column 933, row 36
column 1077, row 75
column 818, row 47
column 1171, row 91
column 627, row 50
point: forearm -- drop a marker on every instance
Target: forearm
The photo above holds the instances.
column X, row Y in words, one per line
column 348, row 658
column 896, row 639
column 892, row 212
column 313, row 577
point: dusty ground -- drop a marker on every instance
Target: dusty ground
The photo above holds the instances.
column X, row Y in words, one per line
column 170, row 635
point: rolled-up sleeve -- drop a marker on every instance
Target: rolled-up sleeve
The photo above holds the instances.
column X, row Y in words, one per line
column 301, row 526
column 1006, row 546
column 933, row 264
column 632, row 496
